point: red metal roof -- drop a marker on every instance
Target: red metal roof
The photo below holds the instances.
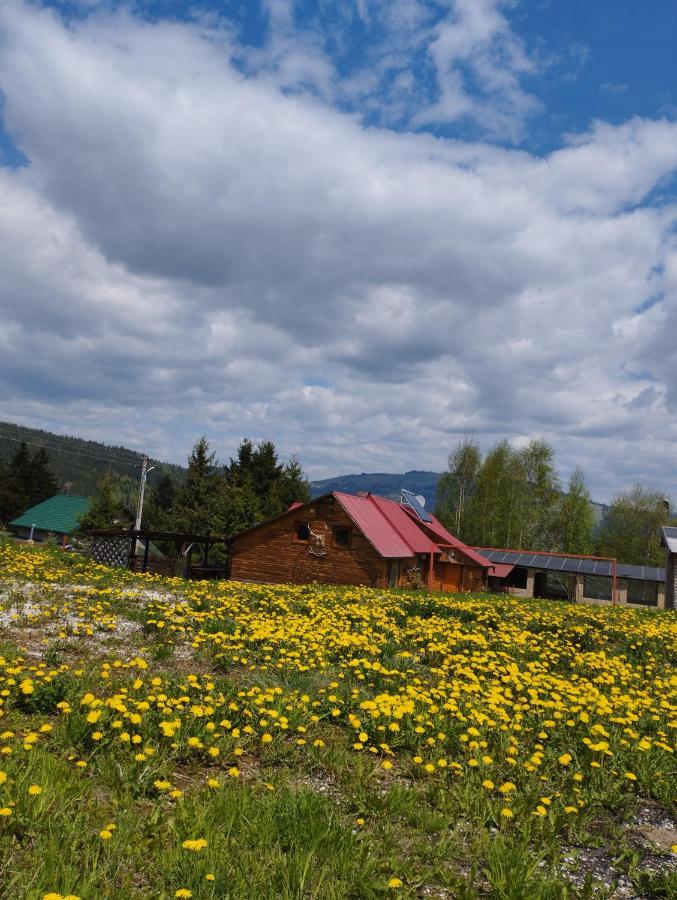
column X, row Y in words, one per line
column 404, row 524
column 501, row 570
column 446, row 537
column 376, row 526
column 396, row 533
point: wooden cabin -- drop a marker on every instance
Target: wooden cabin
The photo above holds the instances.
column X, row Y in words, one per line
column 363, row 540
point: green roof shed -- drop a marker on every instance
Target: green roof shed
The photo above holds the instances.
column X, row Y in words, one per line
column 59, row 514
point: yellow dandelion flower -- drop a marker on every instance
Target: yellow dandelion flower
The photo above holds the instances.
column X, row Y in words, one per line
column 194, row 845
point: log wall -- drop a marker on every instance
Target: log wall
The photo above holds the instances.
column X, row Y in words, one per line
column 273, row 554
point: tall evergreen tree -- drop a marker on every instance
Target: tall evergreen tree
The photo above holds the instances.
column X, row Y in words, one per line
column 106, row 509
column 42, row 483
column 20, row 469
column 238, row 505
column 292, row 485
column 165, row 493
column 196, row 499
column 24, row 482
column 13, row 500
column 275, row 485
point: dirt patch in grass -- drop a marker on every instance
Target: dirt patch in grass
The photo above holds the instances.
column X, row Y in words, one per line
column 582, row 865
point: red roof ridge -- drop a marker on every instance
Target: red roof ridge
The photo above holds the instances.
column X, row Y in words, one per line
column 389, row 521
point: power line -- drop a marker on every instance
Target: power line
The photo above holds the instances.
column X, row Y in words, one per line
column 68, row 450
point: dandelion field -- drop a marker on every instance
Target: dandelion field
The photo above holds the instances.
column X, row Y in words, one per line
column 162, row 738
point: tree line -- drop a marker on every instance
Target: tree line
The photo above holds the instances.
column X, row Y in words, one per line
column 25, row 480
column 505, row 498
column 213, row 498
column 514, row 498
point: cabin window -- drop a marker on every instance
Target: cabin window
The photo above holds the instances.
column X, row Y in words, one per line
column 342, row 536
column 597, row 587
column 303, row 531
column 643, row 592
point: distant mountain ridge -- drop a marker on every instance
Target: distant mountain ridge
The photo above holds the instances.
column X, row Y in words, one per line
column 385, row 484
column 82, row 463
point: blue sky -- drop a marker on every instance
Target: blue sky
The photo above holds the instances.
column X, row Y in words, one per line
column 362, row 229
column 604, row 60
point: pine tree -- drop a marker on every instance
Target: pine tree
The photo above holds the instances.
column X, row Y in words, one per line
column 165, row 494
column 194, row 506
column 13, row 500
column 106, row 509
column 274, row 485
column 292, row 486
column 42, row 484
column 20, row 470
column 238, row 506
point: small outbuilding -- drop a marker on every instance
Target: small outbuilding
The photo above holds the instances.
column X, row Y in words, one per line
column 537, row 573
column 340, row 538
column 669, row 541
column 60, row 516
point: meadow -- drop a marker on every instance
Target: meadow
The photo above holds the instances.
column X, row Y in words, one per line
column 170, row 739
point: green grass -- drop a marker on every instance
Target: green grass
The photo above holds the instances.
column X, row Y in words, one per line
column 309, row 814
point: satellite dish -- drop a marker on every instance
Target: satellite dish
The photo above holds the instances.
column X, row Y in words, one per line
column 415, row 503
column 421, row 499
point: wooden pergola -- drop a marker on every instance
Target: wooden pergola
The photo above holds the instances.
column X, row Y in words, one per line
column 119, row 546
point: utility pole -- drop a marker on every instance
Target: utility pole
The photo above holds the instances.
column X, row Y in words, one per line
column 145, row 469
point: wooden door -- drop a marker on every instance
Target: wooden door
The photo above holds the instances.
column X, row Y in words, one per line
column 452, row 577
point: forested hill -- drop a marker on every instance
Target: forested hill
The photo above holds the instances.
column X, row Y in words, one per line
column 382, row 483
column 78, row 461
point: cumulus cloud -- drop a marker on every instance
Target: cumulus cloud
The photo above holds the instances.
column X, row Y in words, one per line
column 195, row 248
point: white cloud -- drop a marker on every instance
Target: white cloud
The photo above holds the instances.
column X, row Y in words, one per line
column 479, row 63
column 191, row 249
